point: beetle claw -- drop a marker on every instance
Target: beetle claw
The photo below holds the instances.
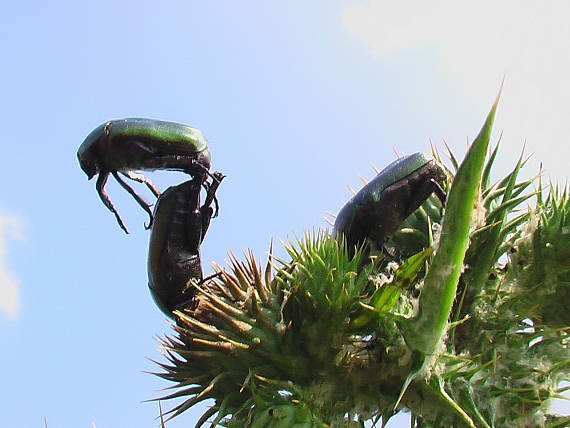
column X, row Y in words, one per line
column 149, row 226
column 121, row 224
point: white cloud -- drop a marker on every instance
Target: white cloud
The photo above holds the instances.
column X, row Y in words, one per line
column 476, row 43
column 10, row 227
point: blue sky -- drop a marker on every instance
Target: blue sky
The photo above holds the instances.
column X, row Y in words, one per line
column 297, row 99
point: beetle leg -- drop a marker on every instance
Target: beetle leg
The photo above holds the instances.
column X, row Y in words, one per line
column 205, row 217
column 189, row 288
column 206, row 211
column 205, row 170
column 211, row 189
column 216, row 176
column 142, row 179
column 206, row 187
column 191, row 233
column 439, row 192
column 101, row 180
column 144, row 205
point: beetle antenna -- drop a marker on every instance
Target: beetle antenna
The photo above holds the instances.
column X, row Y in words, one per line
column 101, row 180
column 144, row 205
column 142, row 179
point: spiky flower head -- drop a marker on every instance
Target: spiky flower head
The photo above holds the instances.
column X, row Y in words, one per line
column 462, row 321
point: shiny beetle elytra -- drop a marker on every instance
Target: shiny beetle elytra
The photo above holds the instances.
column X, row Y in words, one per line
column 380, row 207
column 123, row 146
column 180, row 224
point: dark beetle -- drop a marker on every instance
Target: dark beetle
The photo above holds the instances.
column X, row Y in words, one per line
column 380, row 207
column 174, row 248
column 133, row 144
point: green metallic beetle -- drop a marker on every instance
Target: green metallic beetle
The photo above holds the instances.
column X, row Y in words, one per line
column 174, row 246
column 382, row 205
column 133, row 144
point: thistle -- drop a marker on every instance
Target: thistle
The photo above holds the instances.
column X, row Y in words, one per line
column 460, row 320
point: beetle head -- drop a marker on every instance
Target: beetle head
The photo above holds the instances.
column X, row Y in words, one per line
column 89, row 167
column 88, row 151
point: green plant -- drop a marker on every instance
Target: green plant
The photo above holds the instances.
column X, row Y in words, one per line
column 462, row 321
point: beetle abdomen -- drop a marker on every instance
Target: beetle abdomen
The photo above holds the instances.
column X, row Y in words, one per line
column 174, row 246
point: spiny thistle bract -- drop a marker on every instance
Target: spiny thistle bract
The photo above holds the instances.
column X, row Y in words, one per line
column 461, row 321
